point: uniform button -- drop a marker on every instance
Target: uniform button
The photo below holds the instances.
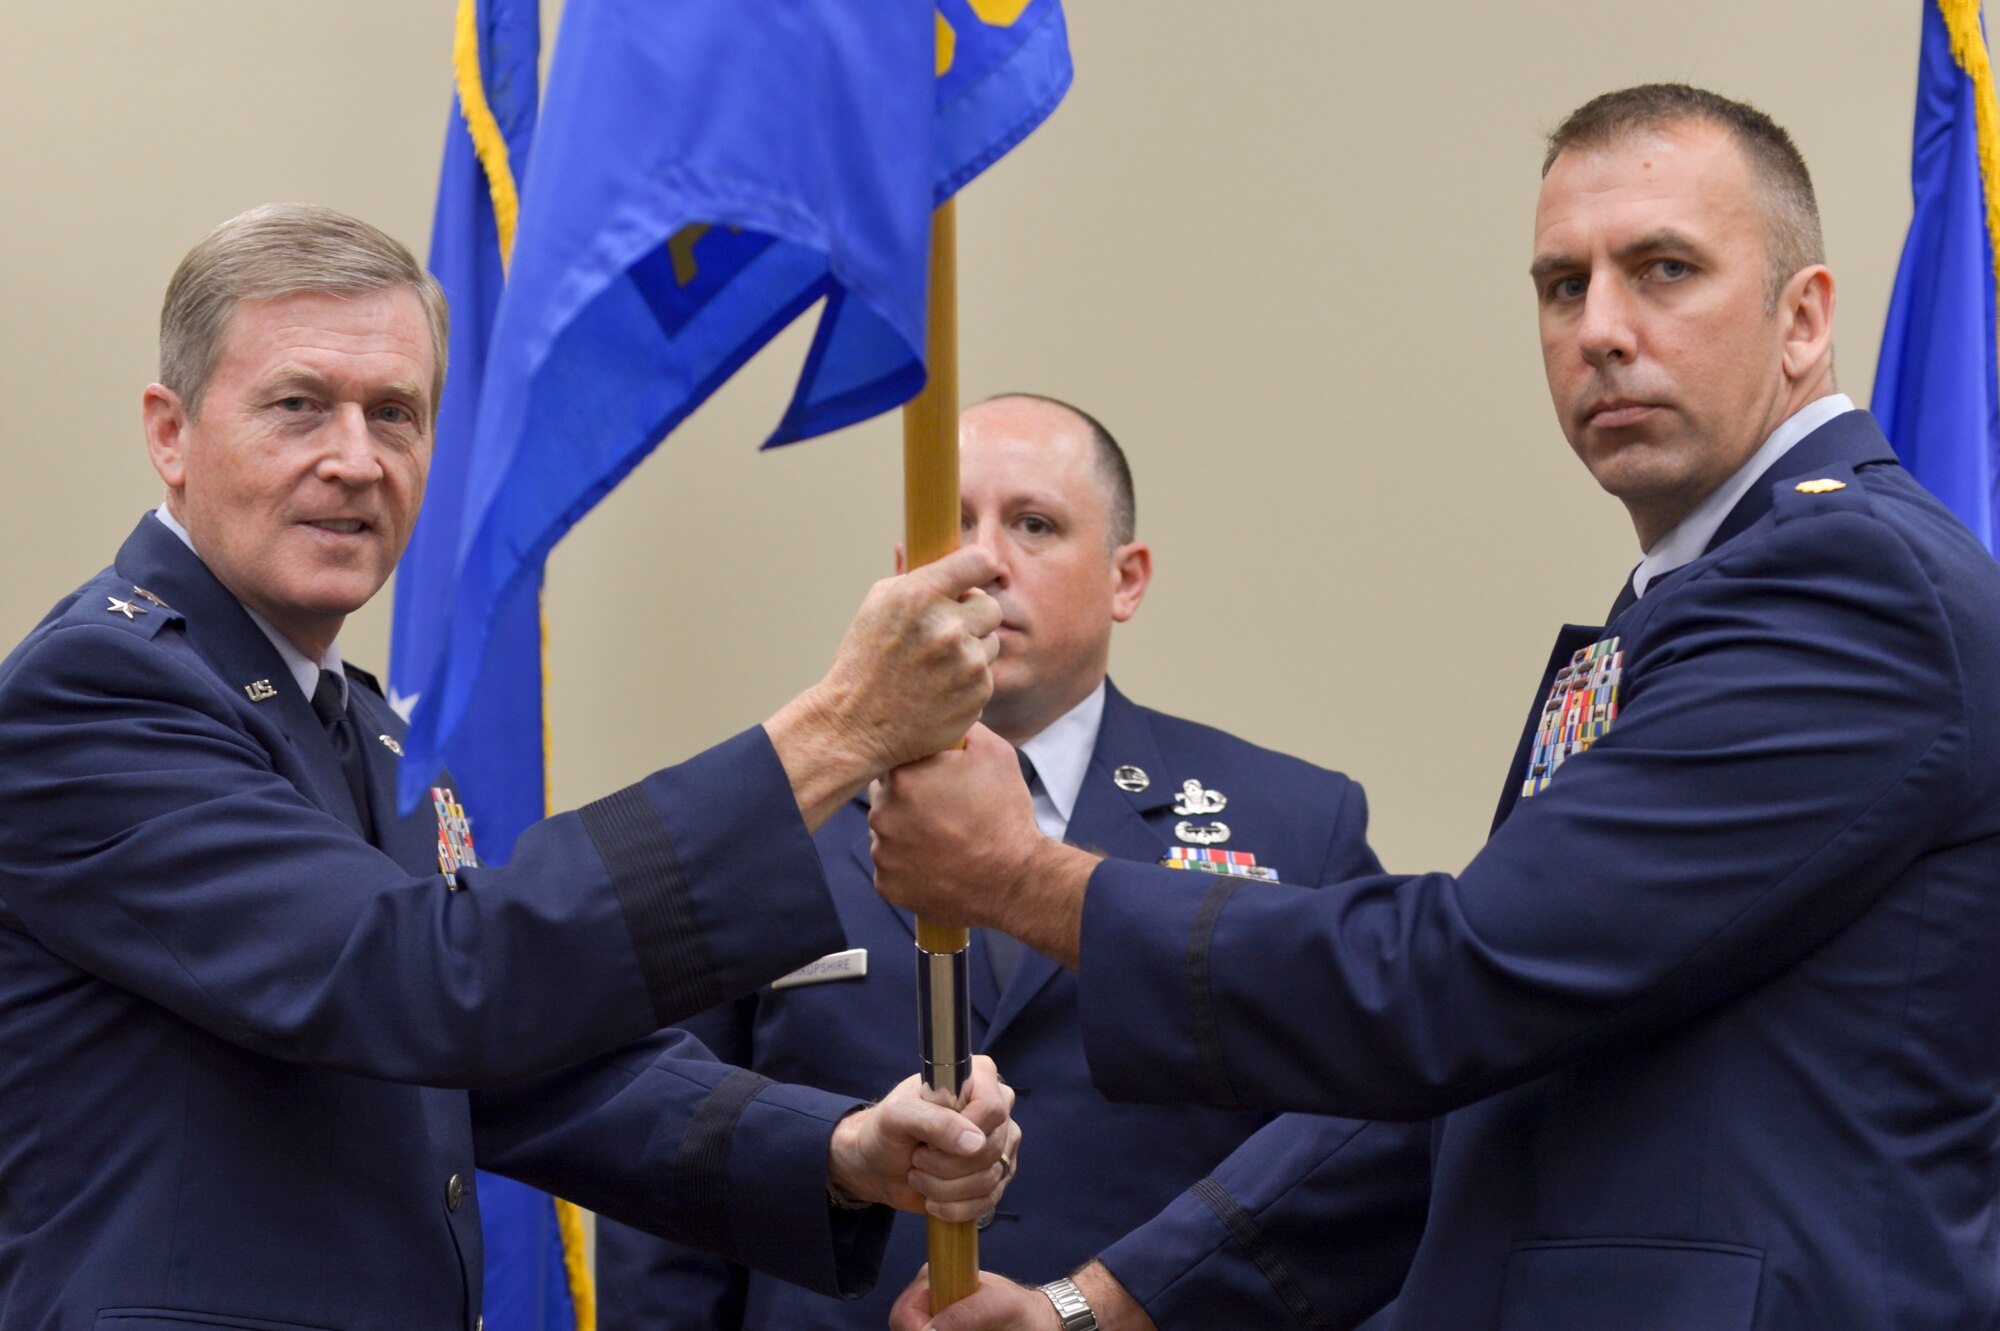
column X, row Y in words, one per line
column 479, row 1323
column 454, row 1192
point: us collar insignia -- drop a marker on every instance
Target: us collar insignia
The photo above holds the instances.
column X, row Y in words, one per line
column 1229, row 863
column 1582, row 706
column 454, row 835
column 1202, row 834
column 1194, row 800
column 260, row 690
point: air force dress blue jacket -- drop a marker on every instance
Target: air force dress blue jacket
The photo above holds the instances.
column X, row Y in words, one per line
column 1708, row 1028
column 249, row 1060
column 1090, row 1169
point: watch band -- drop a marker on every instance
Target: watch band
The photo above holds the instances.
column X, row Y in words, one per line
column 1072, row 1309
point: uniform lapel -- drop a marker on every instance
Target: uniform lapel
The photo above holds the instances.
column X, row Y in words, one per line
column 240, row 655
column 411, row 841
column 1568, row 640
column 1107, row 819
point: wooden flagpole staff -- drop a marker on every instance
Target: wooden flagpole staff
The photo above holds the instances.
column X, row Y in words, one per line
column 930, row 531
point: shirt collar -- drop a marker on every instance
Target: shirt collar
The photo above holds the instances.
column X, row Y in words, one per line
column 1061, row 752
column 304, row 670
column 1691, row 535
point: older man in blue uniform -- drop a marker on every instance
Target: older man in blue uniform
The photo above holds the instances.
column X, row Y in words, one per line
column 1706, row 1028
column 1047, row 493
column 260, row 1028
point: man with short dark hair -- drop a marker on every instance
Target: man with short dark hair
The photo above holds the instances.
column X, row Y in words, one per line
column 1707, row 1026
column 261, row 1027
column 1046, row 492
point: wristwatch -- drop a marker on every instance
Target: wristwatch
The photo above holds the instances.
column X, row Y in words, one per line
column 1071, row 1308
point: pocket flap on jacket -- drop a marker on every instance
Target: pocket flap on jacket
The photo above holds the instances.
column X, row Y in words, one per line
column 1630, row 1285
column 185, row 1319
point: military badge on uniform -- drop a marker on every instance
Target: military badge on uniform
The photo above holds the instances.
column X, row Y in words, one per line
column 1202, row 834
column 454, row 835
column 141, row 592
column 390, row 743
column 1230, row 863
column 1194, row 800
column 260, row 690
column 128, row 609
column 1130, row 778
column 1581, row 707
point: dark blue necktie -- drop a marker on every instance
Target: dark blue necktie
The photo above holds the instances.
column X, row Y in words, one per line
column 1626, row 596
column 326, row 701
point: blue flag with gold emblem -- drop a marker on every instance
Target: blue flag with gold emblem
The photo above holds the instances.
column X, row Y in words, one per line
column 531, row 1257
column 1936, row 391
column 705, row 171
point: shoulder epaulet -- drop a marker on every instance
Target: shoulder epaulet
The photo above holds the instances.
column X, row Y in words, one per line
column 111, row 600
column 1834, row 490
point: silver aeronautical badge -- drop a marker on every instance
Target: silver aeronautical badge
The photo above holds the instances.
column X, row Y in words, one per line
column 1193, row 799
column 1202, row 834
column 1130, row 778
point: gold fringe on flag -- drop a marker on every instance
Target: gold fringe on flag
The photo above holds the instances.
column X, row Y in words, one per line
column 1968, row 48
column 487, row 140
column 490, row 145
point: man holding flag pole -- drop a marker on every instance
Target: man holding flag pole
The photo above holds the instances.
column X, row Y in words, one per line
column 1705, row 1029
column 275, row 1022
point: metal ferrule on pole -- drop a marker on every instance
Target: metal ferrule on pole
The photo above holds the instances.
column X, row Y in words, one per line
column 943, row 1025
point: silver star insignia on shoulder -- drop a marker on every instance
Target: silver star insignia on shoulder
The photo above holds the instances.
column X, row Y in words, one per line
column 125, row 608
column 142, row 593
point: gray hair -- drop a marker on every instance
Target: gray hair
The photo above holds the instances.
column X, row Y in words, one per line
column 282, row 249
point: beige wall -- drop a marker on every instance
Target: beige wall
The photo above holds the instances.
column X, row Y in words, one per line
column 1281, row 254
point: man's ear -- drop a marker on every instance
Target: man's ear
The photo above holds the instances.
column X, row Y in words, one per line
column 900, row 570
column 1806, row 304
column 166, row 421
column 1132, row 566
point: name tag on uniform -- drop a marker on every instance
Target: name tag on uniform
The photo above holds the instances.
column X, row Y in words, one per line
column 849, row 965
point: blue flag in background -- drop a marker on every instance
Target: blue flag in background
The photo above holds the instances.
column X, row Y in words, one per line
column 706, row 170
column 498, row 764
column 1936, row 394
